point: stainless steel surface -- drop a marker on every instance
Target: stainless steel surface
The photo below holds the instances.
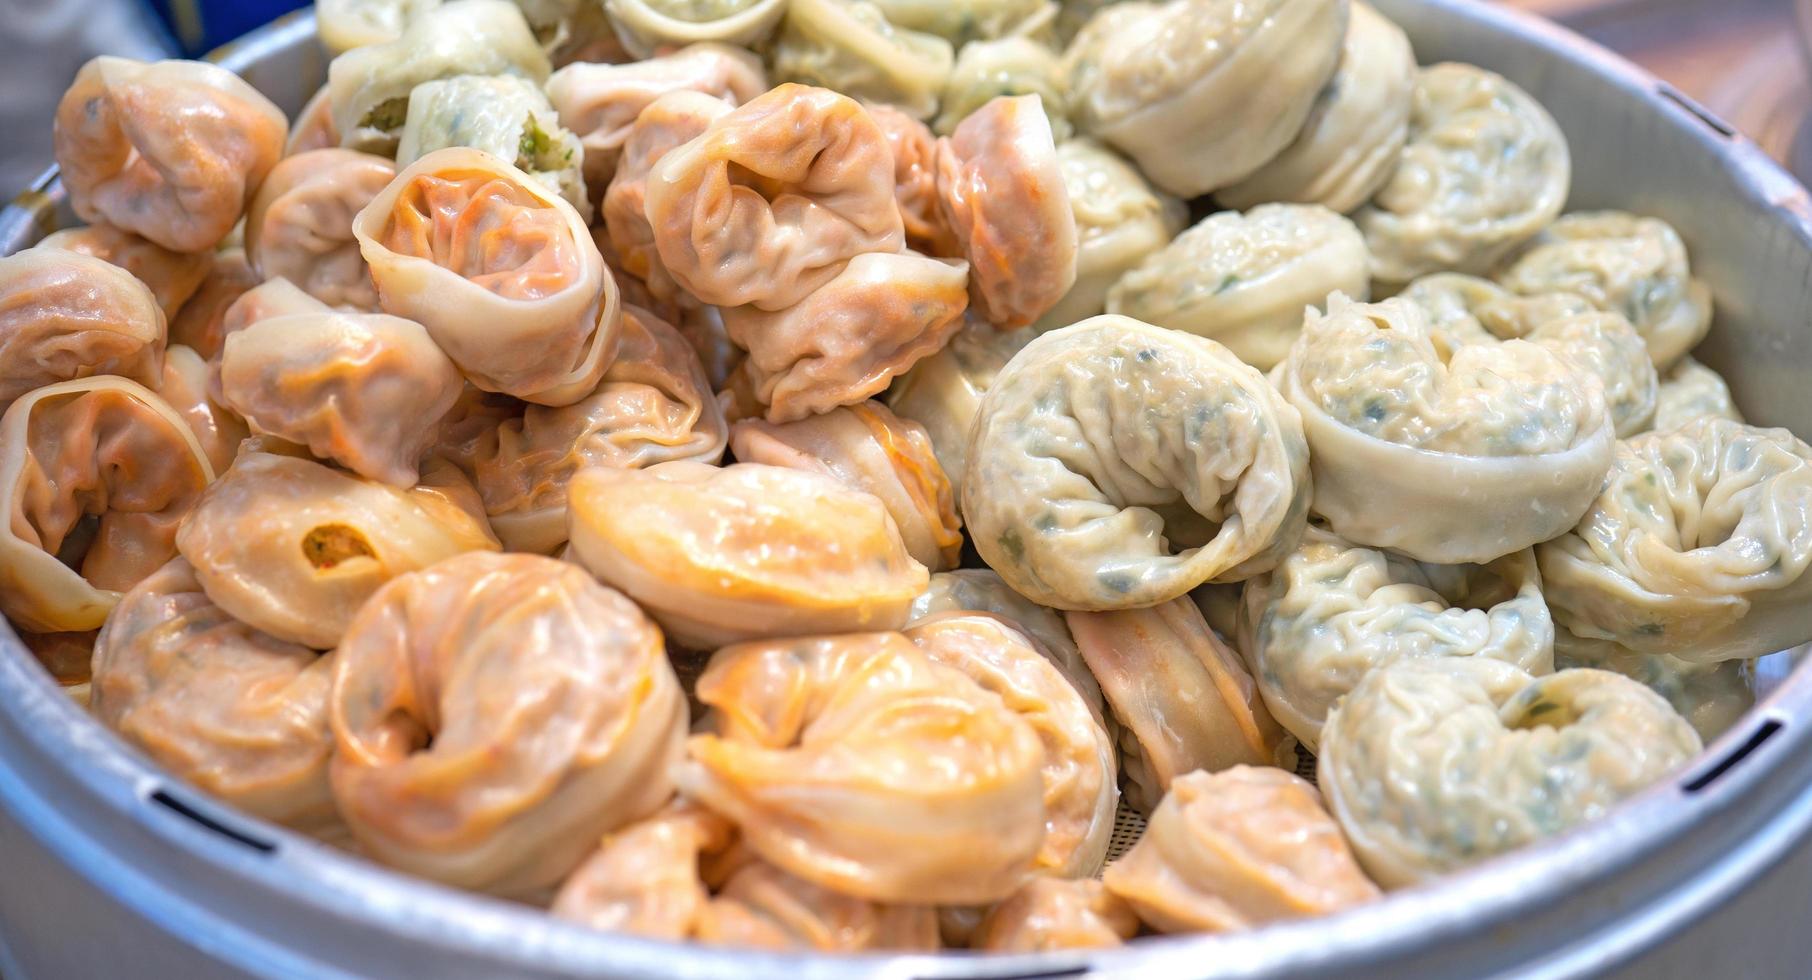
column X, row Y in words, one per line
column 105, row 862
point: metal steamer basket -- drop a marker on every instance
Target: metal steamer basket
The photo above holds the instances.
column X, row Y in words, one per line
column 110, row 867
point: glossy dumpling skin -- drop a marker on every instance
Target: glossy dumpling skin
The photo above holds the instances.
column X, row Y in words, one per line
column 364, row 390
column 761, row 906
column 347, row 24
column 743, row 552
column 915, row 181
column 859, row 764
column 1238, row 849
column 313, row 128
column 300, row 224
column 1120, row 221
column 1018, row 234
column 495, row 715
column 67, row 657
column 238, row 713
column 979, row 590
column 671, row 120
column 198, row 326
column 1182, row 697
column 1202, row 93
column 1057, row 913
column 871, row 449
column 774, row 199
column 1448, row 456
column 173, row 277
column 501, row 270
column 171, row 150
column 504, row 115
column 1624, row 264
column 1711, row 697
column 1690, row 390
column 1334, row 611
column 188, row 387
column 648, row 26
column 851, row 46
column 101, row 448
column 267, row 300
column 1243, row 279
column 1009, row 66
column 943, row 392
column 600, row 103
column 369, row 87
column 64, row 315
column 292, row 547
column 1484, row 170
column 849, row 338
column 1080, row 792
column 1697, row 546
column 1085, row 495
column 1350, row 143
column 1433, row 765
column 653, row 406
column 644, row 879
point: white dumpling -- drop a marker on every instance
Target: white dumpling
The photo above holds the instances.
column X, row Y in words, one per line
column 347, row 24
column 966, row 23
column 1711, row 697
column 503, row 115
column 649, row 26
column 985, row 70
column 1244, row 279
column 1120, row 221
column 850, row 46
column 1690, row 390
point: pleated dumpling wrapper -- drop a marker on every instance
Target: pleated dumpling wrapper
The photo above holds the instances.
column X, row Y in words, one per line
column 64, row 316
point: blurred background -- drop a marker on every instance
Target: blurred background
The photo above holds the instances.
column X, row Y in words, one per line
column 1746, row 60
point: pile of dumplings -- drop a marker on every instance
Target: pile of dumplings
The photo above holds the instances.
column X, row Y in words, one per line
column 788, row 473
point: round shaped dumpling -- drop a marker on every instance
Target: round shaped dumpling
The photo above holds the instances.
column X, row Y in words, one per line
column 915, row 182
column 365, row 390
column 1120, row 221
column 644, row 879
column 1244, row 279
column 504, row 115
column 671, row 120
column 293, row 548
column 654, row 405
column 1334, row 611
column 1010, row 66
column 1056, row 913
column 981, row 591
column 743, row 552
column 943, row 392
column 300, row 224
column 199, row 324
column 601, row 102
column 171, row 150
column 1202, row 93
column 851, row 46
column 1349, row 146
column 370, row 86
column 774, row 199
column 1697, row 546
column 266, row 301
column 313, row 128
column 845, row 341
column 1084, row 494
column 648, row 26
column 1448, row 456
column 500, row 269
column 64, row 316
column 763, row 907
column 1003, row 194
column 1690, row 390
column 1465, row 309
column 238, row 713
column 1485, row 169
column 1433, row 765
column 494, row 715
column 1624, row 264
column 188, row 387
column 861, row 765
column 869, row 448
column 1080, row 794
column 173, row 277
column 95, row 476
column 1237, row 849
column 347, row 24
column 1182, row 698
column 1711, row 697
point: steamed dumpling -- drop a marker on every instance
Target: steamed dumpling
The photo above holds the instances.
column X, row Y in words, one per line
column 1120, row 222
column 64, row 315
column 851, row 46
column 506, row 116
column 300, row 224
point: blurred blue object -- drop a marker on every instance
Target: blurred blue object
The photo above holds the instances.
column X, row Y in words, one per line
column 200, row 26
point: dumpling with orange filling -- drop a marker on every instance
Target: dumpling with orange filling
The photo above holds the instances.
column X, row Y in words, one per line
column 300, row 224
column 65, row 316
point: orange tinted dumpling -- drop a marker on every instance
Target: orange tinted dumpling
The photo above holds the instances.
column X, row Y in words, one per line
column 65, row 316
column 763, row 907
column 239, row 713
column 494, row 716
column 644, row 878
column 720, row 555
column 300, row 224
column 500, row 269
column 95, row 476
column 915, row 181
column 172, row 150
column 861, row 765
column 188, row 387
column 669, row 121
column 199, row 324
column 1238, row 849
column 1057, row 913
column 872, row 449
column 266, row 301
column 774, row 198
column 173, row 277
